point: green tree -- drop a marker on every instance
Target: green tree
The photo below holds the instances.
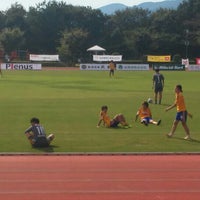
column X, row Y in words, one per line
column 138, row 42
column 165, row 32
column 122, row 31
column 188, row 14
column 2, row 20
column 47, row 22
column 11, row 39
column 15, row 17
column 72, row 45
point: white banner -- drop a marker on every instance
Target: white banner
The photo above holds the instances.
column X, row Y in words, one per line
column 120, row 67
column 133, row 67
column 37, row 57
column 21, row 66
column 104, row 58
column 194, row 67
column 91, row 66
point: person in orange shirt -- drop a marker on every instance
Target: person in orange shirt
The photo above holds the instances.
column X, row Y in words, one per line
column 181, row 112
column 145, row 115
column 112, row 67
column 118, row 119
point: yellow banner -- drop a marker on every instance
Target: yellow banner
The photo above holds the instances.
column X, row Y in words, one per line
column 166, row 58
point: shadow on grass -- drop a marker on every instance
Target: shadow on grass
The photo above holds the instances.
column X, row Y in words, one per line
column 49, row 149
column 164, row 104
column 191, row 140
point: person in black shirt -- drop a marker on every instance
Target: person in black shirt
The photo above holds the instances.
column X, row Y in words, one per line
column 158, row 85
column 36, row 134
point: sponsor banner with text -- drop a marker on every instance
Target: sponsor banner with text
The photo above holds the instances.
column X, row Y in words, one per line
column 169, row 67
column 122, row 67
column 164, row 58
column 198, row 61
column 133, row 67
column 194, row 67
column 104, row 58
column 37, row 57
column 21, row 66
column 93, row 66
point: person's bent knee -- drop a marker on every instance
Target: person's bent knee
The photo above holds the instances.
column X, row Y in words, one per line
column 50, row 137
column 120, row 115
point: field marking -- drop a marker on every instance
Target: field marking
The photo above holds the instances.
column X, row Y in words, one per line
column 100, row 180
column 117, row 191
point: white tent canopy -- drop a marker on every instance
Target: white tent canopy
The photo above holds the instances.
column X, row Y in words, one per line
column 96, row 48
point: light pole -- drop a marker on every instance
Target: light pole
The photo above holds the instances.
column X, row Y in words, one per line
column 186, row 43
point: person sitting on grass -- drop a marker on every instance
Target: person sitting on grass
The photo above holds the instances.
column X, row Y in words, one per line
column 145, row 115
column 118, row 119
column 36, row 134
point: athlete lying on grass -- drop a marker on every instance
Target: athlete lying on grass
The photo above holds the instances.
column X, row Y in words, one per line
column 118, row 119
column 36, row 134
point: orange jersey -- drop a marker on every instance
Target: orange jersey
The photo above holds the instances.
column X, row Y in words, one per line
column 180, row 103
column 144, row 112
column 112, row 66
column 105, row 118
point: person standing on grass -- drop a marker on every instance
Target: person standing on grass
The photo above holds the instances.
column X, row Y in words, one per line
column 36, row 134
column 1, row 71
column 145, row 115
column 112, row 67
column 158, row 85
column 181, row 113
column 118, row 119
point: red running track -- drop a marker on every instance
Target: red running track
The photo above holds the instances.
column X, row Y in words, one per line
column 93, row 177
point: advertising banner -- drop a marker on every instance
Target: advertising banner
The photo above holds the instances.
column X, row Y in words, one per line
column 168, row 67
column 133, row 67
column 164, row 58
column 37, row 57
column 21, row 66
column 198, row 61
column 104, row 58
column 127, row 67
column 93, row 66
column 194, row 67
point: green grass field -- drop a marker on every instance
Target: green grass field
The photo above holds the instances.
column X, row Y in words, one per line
column 68, row 104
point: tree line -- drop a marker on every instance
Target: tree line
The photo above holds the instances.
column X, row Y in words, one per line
column 59, row 28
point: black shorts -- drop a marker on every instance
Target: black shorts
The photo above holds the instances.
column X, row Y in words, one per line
column 41, row 142
column 158, row 89
column 114, row 123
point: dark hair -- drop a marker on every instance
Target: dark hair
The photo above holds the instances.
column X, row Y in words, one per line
column 104, row 107
column 157, row 70
column 35, row 120
column 179, row 87
column 145, row 103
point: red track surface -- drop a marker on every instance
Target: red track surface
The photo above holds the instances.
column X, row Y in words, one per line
column 159, row 177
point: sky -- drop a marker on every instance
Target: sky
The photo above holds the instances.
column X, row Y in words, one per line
column 5, row 4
